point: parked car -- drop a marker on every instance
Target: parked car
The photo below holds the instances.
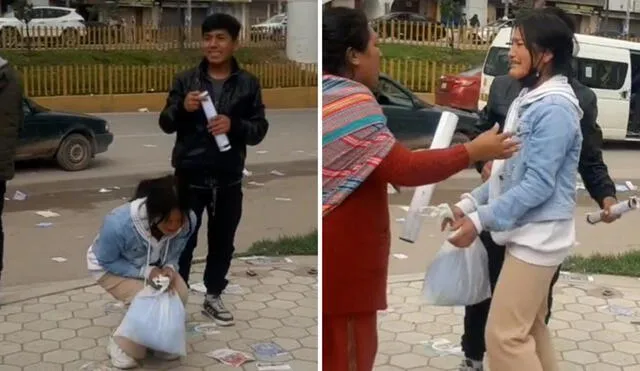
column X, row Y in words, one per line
column 71, row 139
column 489, row 32
column 407, row 26
column 47, row 21
column 414, row 121
column 273, row 28
column 460, row 91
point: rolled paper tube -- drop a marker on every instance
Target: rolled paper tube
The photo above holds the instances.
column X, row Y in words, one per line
column 422, row 195
column 617, row 210
column 210, row 111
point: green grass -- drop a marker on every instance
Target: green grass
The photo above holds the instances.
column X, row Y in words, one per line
column 304, row 244
column 132, row 57
column 625, row 264
column 432, row 53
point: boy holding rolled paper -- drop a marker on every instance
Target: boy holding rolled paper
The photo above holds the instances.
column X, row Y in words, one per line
column 216, row 110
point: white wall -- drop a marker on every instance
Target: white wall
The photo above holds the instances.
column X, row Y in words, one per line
column 302, row 31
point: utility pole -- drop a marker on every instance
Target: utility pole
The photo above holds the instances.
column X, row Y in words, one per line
column 627, row 19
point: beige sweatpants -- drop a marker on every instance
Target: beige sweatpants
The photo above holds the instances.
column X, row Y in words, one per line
column 516, row 336
column 125, row 289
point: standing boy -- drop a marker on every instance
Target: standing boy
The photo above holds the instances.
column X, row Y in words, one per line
column 213, row 177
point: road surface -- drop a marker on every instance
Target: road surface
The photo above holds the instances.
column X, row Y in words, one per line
column 276, row 205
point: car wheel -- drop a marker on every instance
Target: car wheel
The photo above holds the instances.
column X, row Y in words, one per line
column 74, row 153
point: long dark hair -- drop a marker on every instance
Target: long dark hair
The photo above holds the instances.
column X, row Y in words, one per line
column 548, row 30
column 342, row 28
column 164, row 195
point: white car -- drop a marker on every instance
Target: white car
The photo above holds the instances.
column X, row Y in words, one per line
column 47, row 21
column 277, row 23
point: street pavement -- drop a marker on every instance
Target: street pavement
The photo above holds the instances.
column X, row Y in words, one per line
column 69, row 330
column 280, row 194
column 594, row 325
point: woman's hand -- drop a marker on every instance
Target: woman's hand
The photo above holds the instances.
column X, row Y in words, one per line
column 464, row 232
column 491, row 145
column 457, row 214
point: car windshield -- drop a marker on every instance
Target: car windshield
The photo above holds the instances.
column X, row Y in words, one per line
column 497, row 62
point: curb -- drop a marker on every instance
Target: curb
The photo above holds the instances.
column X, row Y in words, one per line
column 16, row 294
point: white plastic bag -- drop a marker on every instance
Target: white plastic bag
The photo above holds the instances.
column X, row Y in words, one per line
column 458, row 276
column 156, row 320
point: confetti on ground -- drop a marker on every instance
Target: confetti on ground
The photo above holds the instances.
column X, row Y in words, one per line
column 59, row 259
column 44, row 225
column 277, row 173
column 262, row 152
column 230, row 357
column 47, row 214
column 400, row 256
column 19, row 196
column 206, row 329
column 283, row 199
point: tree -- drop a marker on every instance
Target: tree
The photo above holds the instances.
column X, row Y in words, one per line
column 23, row 10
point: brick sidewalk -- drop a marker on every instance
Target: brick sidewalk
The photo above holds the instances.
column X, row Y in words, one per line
column 70, row 330
column 592, row 331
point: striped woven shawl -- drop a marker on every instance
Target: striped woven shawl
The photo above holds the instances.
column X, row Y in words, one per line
column 355, row 138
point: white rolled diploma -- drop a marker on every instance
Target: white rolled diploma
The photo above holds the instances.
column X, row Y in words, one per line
column 617, row 210
column 210, row 112
column 422, row 195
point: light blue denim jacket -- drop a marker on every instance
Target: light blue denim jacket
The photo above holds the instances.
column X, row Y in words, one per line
column 122, row 245
column 539, row 182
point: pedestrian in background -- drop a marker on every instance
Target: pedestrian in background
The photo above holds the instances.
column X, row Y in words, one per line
column 11, row 121
column 214, row 178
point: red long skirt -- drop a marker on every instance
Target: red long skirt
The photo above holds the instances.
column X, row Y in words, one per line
column 349, row 342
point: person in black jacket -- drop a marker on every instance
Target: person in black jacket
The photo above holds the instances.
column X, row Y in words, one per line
column 213, row 177
column 592, row 169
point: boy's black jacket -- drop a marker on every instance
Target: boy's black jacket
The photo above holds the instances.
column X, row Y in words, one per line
column 195, row 149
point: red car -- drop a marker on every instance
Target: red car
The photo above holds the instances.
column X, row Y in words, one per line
column 461, row 91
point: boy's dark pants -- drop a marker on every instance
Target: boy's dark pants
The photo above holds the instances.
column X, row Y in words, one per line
column 475, row 316
column 223, row 204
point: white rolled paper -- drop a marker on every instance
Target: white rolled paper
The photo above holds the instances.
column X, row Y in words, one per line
column 617, row 210
column 210, row 111
column 422, row 195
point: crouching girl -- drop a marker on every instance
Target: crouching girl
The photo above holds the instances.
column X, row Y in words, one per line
column 139, row 241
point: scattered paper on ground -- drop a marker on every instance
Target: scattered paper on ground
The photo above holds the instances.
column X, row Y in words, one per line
column 150, row 145
column 59, row 259
column 283, row 199
column 273, row 366
column 114, row 307
column 234, row 290
column 206, row 328
column 19, row 196
column 230, row 357
column 104, row 190
column 256, row 183
column 443, row 347
column 277, row 173
column 618, row 311
column 630, row 185
column 267, row 351
column 95, row 366
column 400, row 220
column 288, row 260
column 44, row 225
column 403, row 207
column 261, row 260
column 400, row 256
column 262, row 152
column 246, row 172
column 575, row 277
column 47, row 214
column 143, row 109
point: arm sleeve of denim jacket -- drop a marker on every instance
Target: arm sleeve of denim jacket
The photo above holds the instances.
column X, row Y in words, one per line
column 547, row 146
column 252, row 126
column 109, row 246
column 173, row 256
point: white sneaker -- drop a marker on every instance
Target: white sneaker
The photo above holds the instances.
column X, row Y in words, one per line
column 120, row 359
column 166, row 356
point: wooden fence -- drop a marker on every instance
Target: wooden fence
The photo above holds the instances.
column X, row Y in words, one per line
column 42, row 81
column 419, row 75
column 121, row 38
column 432, row 34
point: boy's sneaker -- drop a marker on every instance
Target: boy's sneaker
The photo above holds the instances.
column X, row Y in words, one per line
column 120, row 359
column 470, row 365
column 214, row 308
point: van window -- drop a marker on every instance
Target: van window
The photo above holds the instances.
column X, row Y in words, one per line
column 599, row 74
column 497, row 62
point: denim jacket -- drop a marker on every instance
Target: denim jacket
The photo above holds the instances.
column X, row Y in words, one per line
column 123, row 245
column 539, row 183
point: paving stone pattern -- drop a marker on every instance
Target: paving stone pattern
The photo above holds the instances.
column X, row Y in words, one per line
column 69, row 331
column 591, row 331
